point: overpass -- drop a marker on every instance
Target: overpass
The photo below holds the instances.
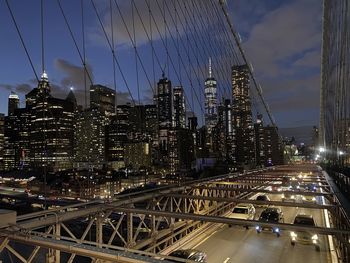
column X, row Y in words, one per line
column 147, row 226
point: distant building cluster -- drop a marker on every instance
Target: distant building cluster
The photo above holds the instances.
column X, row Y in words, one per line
column 57, row 134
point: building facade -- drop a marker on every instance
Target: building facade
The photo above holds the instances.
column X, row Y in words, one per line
column 210, row 104
column 13, row 103
column 102, row 98
column 179, row 107
column 242, row 117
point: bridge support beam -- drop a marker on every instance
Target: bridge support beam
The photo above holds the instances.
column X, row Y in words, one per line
column 130, row 230
column 99, row 230
column 54, row 255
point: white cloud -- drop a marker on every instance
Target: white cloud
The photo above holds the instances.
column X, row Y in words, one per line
column 310, row 59
column 283, row 33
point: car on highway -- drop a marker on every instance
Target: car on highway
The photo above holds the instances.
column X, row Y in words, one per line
column 285, row 180
column 262, row 197
column 305, row 237
column 190, row 254
column 294, row 185
column 270, row 215
column 309, row 199
column 244, row 212
column 311, row 187
column 288, row 197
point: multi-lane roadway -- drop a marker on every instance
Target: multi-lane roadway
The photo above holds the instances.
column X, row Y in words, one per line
column 239, row 245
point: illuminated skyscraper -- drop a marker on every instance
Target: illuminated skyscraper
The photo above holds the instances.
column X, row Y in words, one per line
column 179, row 107
column 51, row 128
column 242, row 116
column 164, row 102
column 224, row 133
column 13, row 103
column 210, row 95
column 102, row 98
column 90, row 139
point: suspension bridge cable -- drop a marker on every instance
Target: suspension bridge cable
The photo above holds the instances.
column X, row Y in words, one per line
column 81, row 56
column 110, row 46
column 84, row 51
column 171, row 61
column 137, row 55
column 113, row 61
column 161, row 37
column 233, row 32
column 149, row 39
column 214, row 51
column 22, row 40
column 42, row 35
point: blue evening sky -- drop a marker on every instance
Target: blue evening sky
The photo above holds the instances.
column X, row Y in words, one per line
column 282, row 39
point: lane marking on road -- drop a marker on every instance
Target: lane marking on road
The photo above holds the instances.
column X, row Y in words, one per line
column 226, row 260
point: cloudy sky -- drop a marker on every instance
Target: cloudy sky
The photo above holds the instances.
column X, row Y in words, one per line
column 281, row 38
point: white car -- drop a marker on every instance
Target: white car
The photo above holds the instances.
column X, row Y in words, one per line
column 309, row 199
column 288, row 197
column 305, row 237
column 243, row 211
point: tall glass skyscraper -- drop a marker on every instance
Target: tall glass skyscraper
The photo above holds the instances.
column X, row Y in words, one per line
column 242, row 115
column 210, row 94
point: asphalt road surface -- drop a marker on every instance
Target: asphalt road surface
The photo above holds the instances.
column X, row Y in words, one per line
column 238, row 245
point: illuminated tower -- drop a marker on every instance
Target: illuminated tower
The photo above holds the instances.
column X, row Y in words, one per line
column 210, row 94
column 13, row 103
column 242, row 116
column 179, row 109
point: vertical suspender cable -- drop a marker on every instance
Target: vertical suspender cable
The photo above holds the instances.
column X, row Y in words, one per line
column 135, row 52
column 84, row 52
column 166, row 40
column 42, row 35
column 22, row 40
column 44, row 154
column 151, row 40
column 113, row 54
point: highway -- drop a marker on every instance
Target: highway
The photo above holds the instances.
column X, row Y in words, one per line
column 238, row 245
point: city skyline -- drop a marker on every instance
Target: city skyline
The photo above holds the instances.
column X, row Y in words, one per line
column 64, row 68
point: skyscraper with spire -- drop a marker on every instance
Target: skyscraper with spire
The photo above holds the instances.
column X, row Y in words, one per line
column 51, row 133
column 210, row 94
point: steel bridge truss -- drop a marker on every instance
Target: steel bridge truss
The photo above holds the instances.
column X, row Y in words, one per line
column 138, row 228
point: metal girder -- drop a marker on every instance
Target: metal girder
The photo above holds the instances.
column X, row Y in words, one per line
column 238, row 200
column 259, row 184
column 232, row 189
column 14, row 252
column 231, row 221
column 45, row 218
column 4, row 242
column 90, row 249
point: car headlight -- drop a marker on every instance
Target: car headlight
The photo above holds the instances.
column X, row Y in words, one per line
column 277, row 230
column 292, row 197
column 314, row 237
column 257, row 227
column 293, row 234
column 304, row 198
column 282, row 195
column 314, row 199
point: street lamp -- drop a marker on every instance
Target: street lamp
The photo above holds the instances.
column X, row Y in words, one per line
column 322, row 150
